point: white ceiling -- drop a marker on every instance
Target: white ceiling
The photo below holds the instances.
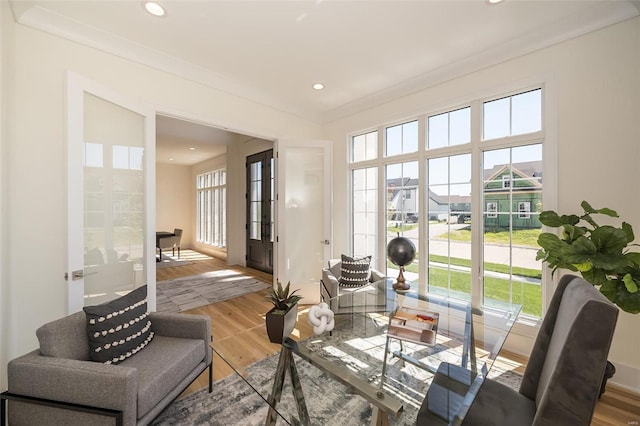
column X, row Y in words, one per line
column 365, row 52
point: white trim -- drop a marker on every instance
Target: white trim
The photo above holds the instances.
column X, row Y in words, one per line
column 43, row 19
column 594, row 18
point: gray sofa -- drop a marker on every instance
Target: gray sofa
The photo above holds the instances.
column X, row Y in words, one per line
column 60, row 373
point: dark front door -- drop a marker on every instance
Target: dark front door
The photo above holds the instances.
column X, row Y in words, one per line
column 260, row 214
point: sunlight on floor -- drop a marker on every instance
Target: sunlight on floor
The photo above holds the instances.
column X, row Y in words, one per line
column 188, row 254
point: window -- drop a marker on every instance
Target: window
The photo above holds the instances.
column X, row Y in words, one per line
column 401, row 139
column 492, row 210
column 524, row 209
column 449, row 128
column 364, row 147
column 480, row 188
column 365, row 212
column 211, row 217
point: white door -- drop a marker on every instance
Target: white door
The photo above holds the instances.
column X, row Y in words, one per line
column 303, row 215
column 111, row 151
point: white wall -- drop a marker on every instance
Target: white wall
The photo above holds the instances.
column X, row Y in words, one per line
column 34, row 228
column 5, row 41
column 596, row 79
column 174, row 208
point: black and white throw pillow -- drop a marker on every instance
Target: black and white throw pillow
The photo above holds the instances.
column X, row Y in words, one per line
column 119, row 329
column 354, row 272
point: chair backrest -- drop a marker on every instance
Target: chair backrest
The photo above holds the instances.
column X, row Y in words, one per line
column 567, row 363
column 178, row 233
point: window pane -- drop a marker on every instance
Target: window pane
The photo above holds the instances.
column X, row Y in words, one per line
column 365, row 212
column 460, row 126
column 449, row 233
column 403, row 206
column 512, row 201
column 513, row 115
column 496, row 119
column 526, row 112
column 438, row 131
column 402, row 139
column 364, row 147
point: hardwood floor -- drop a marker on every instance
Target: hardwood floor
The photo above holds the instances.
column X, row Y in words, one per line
column 239, row 323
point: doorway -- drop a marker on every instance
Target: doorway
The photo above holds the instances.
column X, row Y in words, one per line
column 260, row 211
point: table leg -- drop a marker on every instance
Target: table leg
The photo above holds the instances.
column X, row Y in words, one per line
column 379, row 417
column 278, row 383
column 297, row 393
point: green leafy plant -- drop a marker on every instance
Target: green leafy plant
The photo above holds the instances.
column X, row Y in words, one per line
column 281, row 299
column 599, row 253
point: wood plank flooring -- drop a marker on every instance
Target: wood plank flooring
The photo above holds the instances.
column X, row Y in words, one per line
column 239, row 324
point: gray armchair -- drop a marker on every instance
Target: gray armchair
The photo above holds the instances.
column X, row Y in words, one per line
column 57, row 384
column 330, row 287
column 563, row 377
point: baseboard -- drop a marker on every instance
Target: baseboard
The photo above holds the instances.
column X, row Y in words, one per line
column 626, row 377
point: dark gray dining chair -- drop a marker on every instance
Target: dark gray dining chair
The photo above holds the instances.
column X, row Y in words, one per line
column 170, row 242
column 561, row 383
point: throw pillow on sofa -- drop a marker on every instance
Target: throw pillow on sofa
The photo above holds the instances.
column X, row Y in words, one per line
column 354, row 272
column 119, row 329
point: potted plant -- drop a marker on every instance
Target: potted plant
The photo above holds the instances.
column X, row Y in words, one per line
column 599, row 253
column 281, row 319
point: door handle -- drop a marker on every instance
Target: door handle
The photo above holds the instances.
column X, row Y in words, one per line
column 76, row 275
column 325, row 242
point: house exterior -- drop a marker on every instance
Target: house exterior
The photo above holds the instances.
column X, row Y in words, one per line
column 513, row 196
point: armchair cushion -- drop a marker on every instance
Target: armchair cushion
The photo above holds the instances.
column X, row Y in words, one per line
column 119, row 329
column 354, row 272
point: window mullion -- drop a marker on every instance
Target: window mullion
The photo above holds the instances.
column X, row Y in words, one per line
column 477, row 228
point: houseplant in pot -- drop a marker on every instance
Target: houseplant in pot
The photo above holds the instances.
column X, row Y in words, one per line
column 281, row 319
column 601, row 254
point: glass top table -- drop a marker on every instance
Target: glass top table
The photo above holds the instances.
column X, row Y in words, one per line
column 384, row 350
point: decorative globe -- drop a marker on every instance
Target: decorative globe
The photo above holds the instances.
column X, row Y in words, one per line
column 401, row 251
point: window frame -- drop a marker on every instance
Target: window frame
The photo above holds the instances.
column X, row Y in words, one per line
column 477, row 145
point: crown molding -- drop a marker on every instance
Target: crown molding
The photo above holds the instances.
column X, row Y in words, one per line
column 56, row 24
column 595, row 18
column 602, row 14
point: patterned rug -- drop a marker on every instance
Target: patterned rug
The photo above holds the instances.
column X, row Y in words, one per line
column 329, row 403
column 186, row 293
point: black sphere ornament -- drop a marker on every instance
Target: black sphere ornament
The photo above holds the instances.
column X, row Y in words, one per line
column 401, row 251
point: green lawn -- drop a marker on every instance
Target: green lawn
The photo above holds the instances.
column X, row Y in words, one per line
column 519, row 237
column 495, row 289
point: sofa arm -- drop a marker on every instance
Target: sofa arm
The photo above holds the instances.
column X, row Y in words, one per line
column 74, row 381
column 186, row 326
column 330, row 282
column 376, row 276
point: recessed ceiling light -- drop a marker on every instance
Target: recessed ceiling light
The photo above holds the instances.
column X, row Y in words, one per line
column 318, row 86
column 170, row 158
column 192, row 148
column 154, row 8
column 494, row 1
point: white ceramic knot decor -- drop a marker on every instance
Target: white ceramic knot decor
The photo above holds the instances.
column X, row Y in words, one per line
column 321, row 318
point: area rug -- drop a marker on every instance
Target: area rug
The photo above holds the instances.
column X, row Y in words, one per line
column 172, row 261
column 329, row 403
column 186, row 293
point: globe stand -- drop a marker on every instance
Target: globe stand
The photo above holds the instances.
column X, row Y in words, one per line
column 401, row 284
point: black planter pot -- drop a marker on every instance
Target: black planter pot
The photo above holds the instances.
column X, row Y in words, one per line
column 609, row 371
column 280, row 325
